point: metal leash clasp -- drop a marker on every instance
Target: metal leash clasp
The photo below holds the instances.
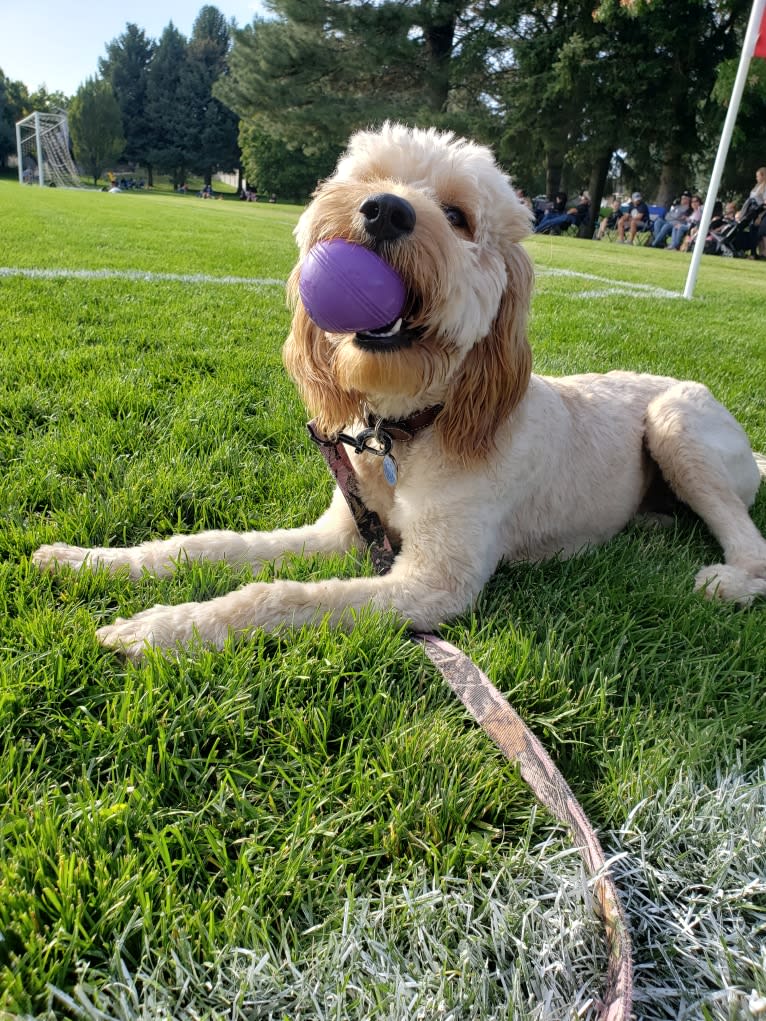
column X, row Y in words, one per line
column 382, row 445
column 375, row 440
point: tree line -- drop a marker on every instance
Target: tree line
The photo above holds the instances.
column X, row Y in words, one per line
column 568, row 94
column 151, row 105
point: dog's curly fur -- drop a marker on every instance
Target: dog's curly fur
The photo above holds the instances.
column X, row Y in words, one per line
column 516, row 466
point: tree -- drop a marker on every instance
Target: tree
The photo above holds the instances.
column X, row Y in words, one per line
column 271, row 166
column 748, row 144
column 213, row 137
column 304, row 80
column 563, row 93
column 95, row 125
column 126, row 68
column 561, row 89
column 165, row 106
column 321, row 69
column 44, row 101
column 676, row 49
column 14, row 104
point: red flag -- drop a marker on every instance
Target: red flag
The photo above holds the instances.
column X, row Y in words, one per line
column 760, row 42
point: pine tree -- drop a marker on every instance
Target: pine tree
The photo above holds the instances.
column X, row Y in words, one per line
column 322, row 68
column 126, row 68
column 212, row 142
column 167, row 114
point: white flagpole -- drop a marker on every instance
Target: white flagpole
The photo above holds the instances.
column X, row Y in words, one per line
column 723, row 146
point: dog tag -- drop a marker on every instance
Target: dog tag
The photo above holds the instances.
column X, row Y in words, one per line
column 390, row 470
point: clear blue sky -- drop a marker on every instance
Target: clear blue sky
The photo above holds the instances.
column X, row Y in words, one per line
column 58, row 42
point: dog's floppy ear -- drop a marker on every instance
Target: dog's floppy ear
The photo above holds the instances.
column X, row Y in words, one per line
column 307, row 356
column 495, row 374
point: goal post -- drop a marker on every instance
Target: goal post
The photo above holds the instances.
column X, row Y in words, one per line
column 44, row 155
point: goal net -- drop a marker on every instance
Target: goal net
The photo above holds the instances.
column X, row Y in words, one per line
column 45, row 157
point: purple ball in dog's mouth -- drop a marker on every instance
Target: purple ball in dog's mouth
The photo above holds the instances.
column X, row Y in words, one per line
column 347, row 288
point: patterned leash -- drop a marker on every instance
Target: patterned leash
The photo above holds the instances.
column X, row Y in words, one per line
column 500, row 722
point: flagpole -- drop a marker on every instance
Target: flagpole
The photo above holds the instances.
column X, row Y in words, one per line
column 759, row 6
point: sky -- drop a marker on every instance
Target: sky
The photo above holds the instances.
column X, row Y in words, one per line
column 58, row 42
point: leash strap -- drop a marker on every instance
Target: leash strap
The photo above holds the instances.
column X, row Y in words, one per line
column 371, row 529
column 500, row 721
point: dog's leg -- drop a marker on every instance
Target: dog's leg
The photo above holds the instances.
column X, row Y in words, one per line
column 334, row 532
column 705, row 458
column 429, row 582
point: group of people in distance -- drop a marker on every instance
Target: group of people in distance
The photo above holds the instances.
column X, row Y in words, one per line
column 678, row 223
column 675, row 228
column 681, row 221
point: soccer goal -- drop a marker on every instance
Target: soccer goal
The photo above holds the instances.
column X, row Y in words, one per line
column 42, row 145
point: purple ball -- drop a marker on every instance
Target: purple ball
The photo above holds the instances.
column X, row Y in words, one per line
column 346, row 288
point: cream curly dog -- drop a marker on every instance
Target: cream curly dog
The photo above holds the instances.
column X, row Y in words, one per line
column 514, row 466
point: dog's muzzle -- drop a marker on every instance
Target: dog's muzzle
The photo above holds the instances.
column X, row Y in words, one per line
column 387, row 218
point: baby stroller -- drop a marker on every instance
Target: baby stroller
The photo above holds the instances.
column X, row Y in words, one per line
column 735, row 239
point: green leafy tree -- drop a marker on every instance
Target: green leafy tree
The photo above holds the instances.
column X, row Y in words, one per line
column 748, row 144
column 48, row 102
column 563, row 93
column 95, row 124
column 675, row 50
column 580, row 88
column 272, row 167
column 14, row 104
column 126, row 68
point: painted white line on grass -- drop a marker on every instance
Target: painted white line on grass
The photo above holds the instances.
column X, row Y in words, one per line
column 141, row 275
column 147, row 276
column 614, row 286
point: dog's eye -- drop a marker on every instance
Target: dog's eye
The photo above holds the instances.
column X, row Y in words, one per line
column 455, row 216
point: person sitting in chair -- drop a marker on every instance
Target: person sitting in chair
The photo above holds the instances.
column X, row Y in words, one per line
column 679, row 212
column 557, row 207
column 636, row 219
column 554, row 222
column 610, row 222
column 678, row 239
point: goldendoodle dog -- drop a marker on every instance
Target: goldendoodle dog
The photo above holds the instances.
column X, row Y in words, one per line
column 502, row 465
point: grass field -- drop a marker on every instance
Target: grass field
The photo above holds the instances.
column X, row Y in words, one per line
column 306, row 825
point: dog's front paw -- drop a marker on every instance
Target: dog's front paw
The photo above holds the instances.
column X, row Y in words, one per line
column 161, row 627
column 47, row 558
column 733, row 584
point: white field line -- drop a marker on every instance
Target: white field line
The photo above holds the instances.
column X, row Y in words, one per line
column 613, row 287
column 145, row 276
column 623, row 287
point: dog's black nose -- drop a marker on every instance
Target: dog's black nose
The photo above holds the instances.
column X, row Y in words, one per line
column 387, row 217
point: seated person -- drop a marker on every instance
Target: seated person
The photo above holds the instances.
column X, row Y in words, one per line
column 723, row 217
column 720, row 222
column 556, row 207
column 573, row 216
column 679, row 211
column 610, row 222
column 636, row 219
column 678, row 236
column 755, row 203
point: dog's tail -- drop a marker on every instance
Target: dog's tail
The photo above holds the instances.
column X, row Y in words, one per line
column 760, row 460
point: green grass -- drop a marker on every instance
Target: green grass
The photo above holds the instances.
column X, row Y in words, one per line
column 307, row 825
